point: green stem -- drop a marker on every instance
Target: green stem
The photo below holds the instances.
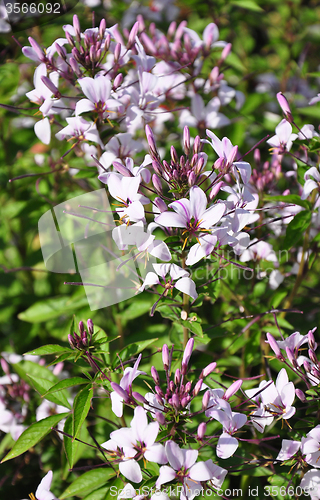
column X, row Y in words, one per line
column 186, row 309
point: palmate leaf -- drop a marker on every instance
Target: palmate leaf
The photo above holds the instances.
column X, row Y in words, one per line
column 33, row 435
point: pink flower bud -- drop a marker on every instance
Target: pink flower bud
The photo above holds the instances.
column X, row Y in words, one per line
column 301, row 395
column 138, row 397
column 291, row 357
column 171, row 385
column 38, row 50
column 172, row 29
column 215, row 190
column 133, row 34
column 274, row 346
column 159, row 390
column 174, row 156
column 208, row 369
column 307, row 366
column 205, row 400
column 311, row 340
column 284, row 105
column 81, row 327
column 157, row 183
column 191, row 179
column 5, row 366
column 197, row 145
column 226, row 51
column 122, row 169
column 175, row 400
column 61, row 50
column 232, row 155
column 201, row 430
column 232, row 389
column 155, row 375
column 187, row 354
column 312, row 356
column 165, row 356
column 160, row 204
column 51, row 86
column 186, row 140
column 160, row 418
column 159, row 400
column 120, row 391
column 187, row 387
column 117, row 52
column 75, row 66
column 197, row 387
column 185, row 401
column 77, row 29
column 177, row 376
column 117, row 81
column 102, row 28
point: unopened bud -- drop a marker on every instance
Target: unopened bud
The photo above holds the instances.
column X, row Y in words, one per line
column 117, row 81
column 51, row 86
column 215, row 190
column 122, row 169
column 186, row 140
column 232, row 389
column 160, row 418
column 274, row 346
column 121, row 392
column 157, row 183
column 187, row 387
column 160, row 204
column 75, row 66
column 138, row 397
column 81, row 327
column 177, row 376
column 191, row 179
column 284, row 105
column 208, row 369
column 165, row 357
column 92, row 53
column 171, row 385
column 197, row 387
column 60, row 50
column 201, row 430
column 301, row 395
column 117, row 52
column 102, row 28
column 226, row 51
column 84, row 339
column 187, row 352
column 159, row 399
column 72, row 341
column 311, row 341
column 205, row 400
column 175, row 400
column 174, row 156
column 185, row 401
column 77, row 29
column 38, row 50
column 90, row 326
column 291, row 357
column 312, row 356
column 155, row 375
column 197, row 145
column 307, row 366
column 133, row 34
column 5, row 366
column 70, row 40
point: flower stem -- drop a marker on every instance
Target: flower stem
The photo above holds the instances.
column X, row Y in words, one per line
column 186, row 309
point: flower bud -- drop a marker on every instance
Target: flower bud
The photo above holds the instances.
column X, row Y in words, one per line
column 215, row 190
column 117, row 52
column 133, row 34
column 51, row 86
column 186, row 355
column 312, row 356
column 84, row 339
column 301, row 395
column 311, row 341
column 284, row 105
column 232, row 389
column 117, row 81
column 187, row 387
column 75, row 67
column 122, row 169
column 159, row 391
column 121, row 392
column 208, row 369
column 160, row 418
column 175, row 400
column 197, row 145
column 5, row 366
column 185, row 401
column 226, row 51
column 197, row 387
column 205, row 400
column 201, row 430
column 38, row 50
column 70, row 40
column 174, row 156
column 157, row 183
column 171, row 385
column 92, row 53
column 191, row 179
column 102, row 28
column 165, row 356
column 77, row 29
column 274, row 346
column 186, row 140
column 155, row 375
column 307, row 366
column 138, row 397
column 60, row 50
column 177, row 376
column 90, row 327
column 291, row 357
column 160, row 204
column 159, row 399
column 81, row 327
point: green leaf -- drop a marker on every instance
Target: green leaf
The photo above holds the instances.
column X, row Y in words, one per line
column 137, row 308
column 81, row 407
column 88, row 482
column 26, row 368
column 49, row 349
column 296, row 228
column 291, row 198
column 133, row 349
column 33, row 435
column 52, row 308
column 42, row 386
column 247, row 4
column 70, row 445
column 99, row 494
column 64, row 384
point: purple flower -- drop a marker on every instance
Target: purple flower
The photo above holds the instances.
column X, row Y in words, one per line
column 129, row 375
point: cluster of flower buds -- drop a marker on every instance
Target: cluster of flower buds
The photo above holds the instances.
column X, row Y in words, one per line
column 178, row 393
column 82, row 342
column 181, row 173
